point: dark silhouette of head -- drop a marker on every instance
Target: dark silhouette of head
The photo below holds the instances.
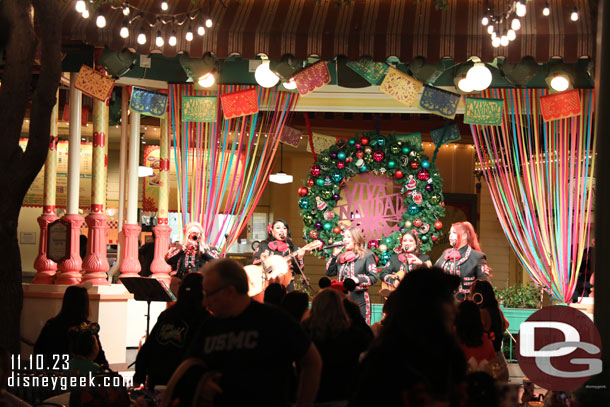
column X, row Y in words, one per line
column 75, row 305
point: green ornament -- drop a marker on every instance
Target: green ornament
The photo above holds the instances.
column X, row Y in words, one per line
column 435, row 199
column 363, row 168
column 303, row 203
column 388, row 240
column 308, row 220
column 326, row 194
column 395, row 149
column 325, row 159
column 424, row 239
column 352, row 141
column 380, row 140
column 327, row 226
column 341, row 155
column 320, row 182
column 336, row 176
column 413, row 209
column 405, row 150
column 391, row 164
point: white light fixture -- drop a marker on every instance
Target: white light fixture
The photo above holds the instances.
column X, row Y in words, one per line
column 264, row 76
column 465, row 86
column 495, row 42
column 172, row 39
column 511, row 35
column 80, row 6
column 189, row 34
column 281, row 177
column 141, row 38
column 144, row 171
column 504, row 40
column 515, row 24
column 480, row 76
column 560, row 83
column 124, row 33
column 520, row 9
column 207, row 80
column 208, row 23
column 485, row 20
column 290, row 85
column 126, row 11
column 546, row 10
column 201, row 31
column 86, row 13
column 100, row 21
column 574, row 15
column 159, row 39
column 490, row 29
column 164, row 6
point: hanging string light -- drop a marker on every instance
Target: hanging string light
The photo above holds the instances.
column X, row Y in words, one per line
column 189, row 34
column 124, row 33
column 546, row 10
column 574, row 15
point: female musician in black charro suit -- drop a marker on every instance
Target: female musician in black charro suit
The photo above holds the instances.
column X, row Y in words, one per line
column 407, row 260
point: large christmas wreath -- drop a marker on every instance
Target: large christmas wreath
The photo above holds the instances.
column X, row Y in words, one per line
column 399, row 157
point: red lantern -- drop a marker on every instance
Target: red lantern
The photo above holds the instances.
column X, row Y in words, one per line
column 336, row 230
column 359, row 154
column 310, row 182
column 378, row 156
column 316, row 170
column 340, row 165
column 364, row 140
column 303, row 191
column 398, row 174
column 438, row 225
column 414, row 165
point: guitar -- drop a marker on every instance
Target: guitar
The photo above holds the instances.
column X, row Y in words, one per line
column 386, row 289
column 274, row 269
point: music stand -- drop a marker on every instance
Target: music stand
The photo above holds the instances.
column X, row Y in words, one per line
column 148, row 289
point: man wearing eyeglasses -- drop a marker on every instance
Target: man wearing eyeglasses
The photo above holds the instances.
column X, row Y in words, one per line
column 251, row 345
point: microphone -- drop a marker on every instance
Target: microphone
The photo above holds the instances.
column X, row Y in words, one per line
column 331, row 246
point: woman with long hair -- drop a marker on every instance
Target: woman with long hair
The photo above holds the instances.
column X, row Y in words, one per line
column 465, row 258
column 190, row 255
column 339, row 341
column 407, row 259
column 474, row 341
column 54, row 340
column 357, row 264
column 279, row 243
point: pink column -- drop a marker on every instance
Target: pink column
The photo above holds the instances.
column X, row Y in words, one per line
column 95, row 263
column 130, row 265
column 159, row 266
column 70, row 268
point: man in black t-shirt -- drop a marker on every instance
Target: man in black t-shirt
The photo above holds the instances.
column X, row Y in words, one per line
column 252, row 345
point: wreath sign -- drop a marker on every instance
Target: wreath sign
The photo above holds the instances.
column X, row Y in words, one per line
column 398, row 157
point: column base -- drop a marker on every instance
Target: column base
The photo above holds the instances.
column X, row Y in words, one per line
column 95, row 263
column 159, row 267
column 45, row 267
column 130, row 264
column 69, row 269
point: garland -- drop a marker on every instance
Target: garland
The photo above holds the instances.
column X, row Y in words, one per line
column 399, row 157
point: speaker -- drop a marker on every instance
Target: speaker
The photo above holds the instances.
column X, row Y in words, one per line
column 116, row 63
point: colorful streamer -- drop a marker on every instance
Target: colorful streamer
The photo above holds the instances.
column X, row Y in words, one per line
column 540, row 178
column 222, row 167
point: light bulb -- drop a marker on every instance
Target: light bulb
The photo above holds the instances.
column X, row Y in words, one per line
column 172, row 39
column 521, row 10
column 511, row 35
column 291, row 84
column 264, row 76
column 124, row 33
column 159, row 40
column 485, row 20
column 546, row 10
column 515, row 24
column 480, row 75
column 141, row 38
column 100, row 21
column 493, row 36
column 574, row 15
column 200, row 31
column 80, row 6
column 495, row 42
column 490, row 29
column 465, row 86
column 207, row 80
column 208, row 23
column 126, row 11
column 189, row 35
column 560, row 83
column 86, row 13
column 164, row 6
column 504, row 41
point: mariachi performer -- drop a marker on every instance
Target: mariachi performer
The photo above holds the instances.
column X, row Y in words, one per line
column 465, row 257
column 409, row 258
column 357, row 264
column 191, row 255
column 279, row 243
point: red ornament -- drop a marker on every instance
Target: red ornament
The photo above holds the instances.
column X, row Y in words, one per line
column 358, row 145
column 414, row 165
column 359, row 154
column 378, row 156
column 373, row 244
column 398, row 174
column 349, row 160
column 313, row 234
column 336, row 230
column 434, row 238
column 364, row 140
column 423, row 175
column 417, row 223
column 438, row 225
column 303, row 191
column 316, row 170
column 310, row 182
column 340, row 165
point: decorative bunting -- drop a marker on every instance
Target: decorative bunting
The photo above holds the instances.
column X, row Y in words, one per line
column 311, row 78
column 484, row 111
column 439, row 101
column 413, row 138
column 148, row 102
column 241, row 103
column 372, row 71
column 401, row 86
column 321, row 142
column 560, row 105
column 291, row 136
column 446, row 134
column 199, row 109
column 94, row 83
